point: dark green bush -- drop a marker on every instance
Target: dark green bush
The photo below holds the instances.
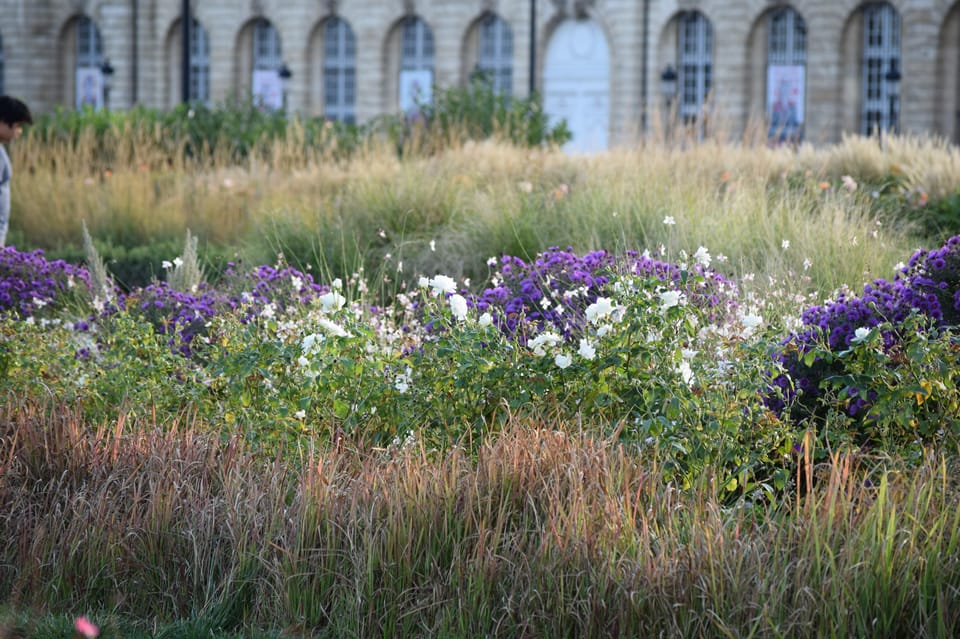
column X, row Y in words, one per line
column 237, row 129
column 137, row 266
column 478, row 112
column 232, row 130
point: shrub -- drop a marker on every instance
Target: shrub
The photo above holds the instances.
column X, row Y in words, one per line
column 479, row 112
column 822, row 366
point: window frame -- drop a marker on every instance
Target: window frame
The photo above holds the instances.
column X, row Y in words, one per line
column 199, row 89
column 694, row 62
column 495, row 52
column 339, row 64
column 881, row 45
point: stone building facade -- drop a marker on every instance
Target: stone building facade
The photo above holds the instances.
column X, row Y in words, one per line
column 816, row 68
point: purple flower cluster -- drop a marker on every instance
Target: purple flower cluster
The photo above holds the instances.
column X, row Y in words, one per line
column 554, row 291
column 29, row 282
column 182, row 316
column 705, row 288
column 178, row 315
column 264, row 285
column 929, row 285
column 931, row 282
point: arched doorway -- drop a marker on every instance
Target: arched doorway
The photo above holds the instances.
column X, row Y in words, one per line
column 576, row 83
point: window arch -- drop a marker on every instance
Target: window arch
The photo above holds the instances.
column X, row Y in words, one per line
column 416, row 45
column 495, row 52
column 786, row 73
column 881, row 51
column 787, row 38
column 267, row 54
column 339, row 70
column 199, row 89
column 87, row 63
column 89, row 43
column 695, row 62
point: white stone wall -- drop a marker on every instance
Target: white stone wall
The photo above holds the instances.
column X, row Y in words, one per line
column 141, row 39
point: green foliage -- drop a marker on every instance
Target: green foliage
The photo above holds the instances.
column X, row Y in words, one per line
column 474, row 112
column 237, row 130
column 233, row 131
column 122, row 362
column 137, row 266
column 940, row 218
column 479, row 112
column 911, row 391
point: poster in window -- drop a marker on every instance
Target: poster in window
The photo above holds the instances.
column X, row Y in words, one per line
column 785, row 98
column 89, row 87
column 267, row 90
column 416, row 88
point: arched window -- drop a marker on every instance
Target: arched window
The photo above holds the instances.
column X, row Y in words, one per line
column 786, row 73
column 881, row 52
column 339, row 70
column 89, row 58
column 416, row 64
column 416, row 45
column 495, row 53
column 695, row 75
column 267, row 60
column 199, row 63
column 267, row 55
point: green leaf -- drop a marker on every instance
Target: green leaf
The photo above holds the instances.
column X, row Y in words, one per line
column 672, row 410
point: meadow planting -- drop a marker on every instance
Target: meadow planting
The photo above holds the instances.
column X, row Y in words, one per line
column 437, row 380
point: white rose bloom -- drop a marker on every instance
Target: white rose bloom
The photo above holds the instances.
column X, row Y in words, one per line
column 458, row 306
column 562, row 360
column 541, row 342
column 311, row 343
column 686, row 373
column 587, row 350
column 599, row 310
column 331, row 301
column 669, row 299
column 702, row 257
column 332, row 328
column 486, row 319
column 443, row 284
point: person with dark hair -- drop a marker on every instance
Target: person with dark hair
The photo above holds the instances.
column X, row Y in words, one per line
column 14, row 114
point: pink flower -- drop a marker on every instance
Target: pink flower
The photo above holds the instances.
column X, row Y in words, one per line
column 85, row 628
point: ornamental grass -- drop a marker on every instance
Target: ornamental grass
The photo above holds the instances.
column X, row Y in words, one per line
column 548, row 530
